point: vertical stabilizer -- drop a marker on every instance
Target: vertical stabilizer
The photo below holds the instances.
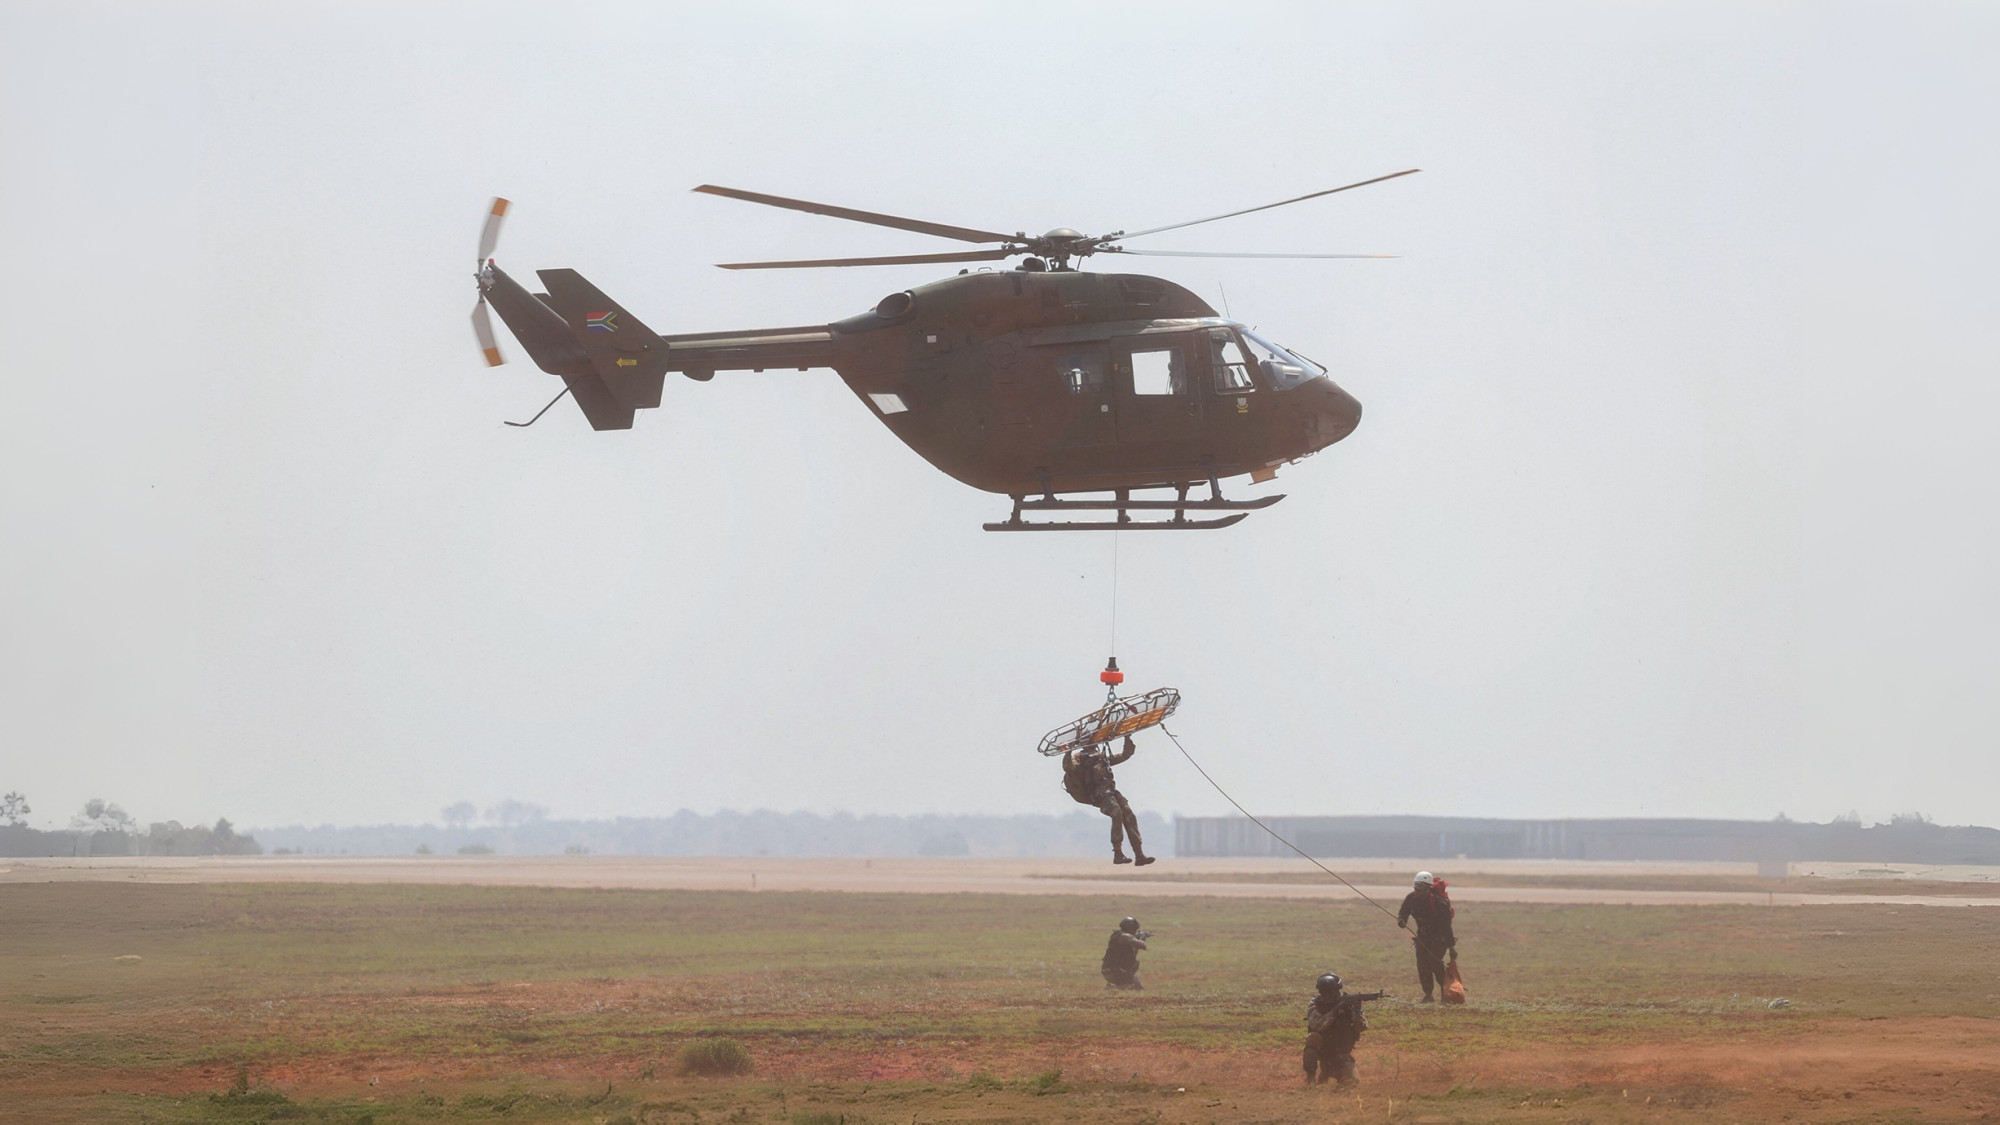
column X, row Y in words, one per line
column 629, row 358
column 555, row 349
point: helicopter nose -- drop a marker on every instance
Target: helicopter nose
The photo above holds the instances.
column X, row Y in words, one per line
column 1337, row 413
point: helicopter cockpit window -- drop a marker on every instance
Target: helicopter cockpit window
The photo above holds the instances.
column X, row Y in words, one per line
column 1232, row 368
column 1282, row 369
column 1082, row 374
column 1158, row 371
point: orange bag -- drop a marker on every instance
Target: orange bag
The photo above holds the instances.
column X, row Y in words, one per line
column 1454, row 986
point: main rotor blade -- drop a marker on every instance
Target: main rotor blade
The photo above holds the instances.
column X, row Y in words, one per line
column 489, row 236
column 893, row 260
column 963, row 234
column 482, row 327
column 1208, row 254
column 1265, row 207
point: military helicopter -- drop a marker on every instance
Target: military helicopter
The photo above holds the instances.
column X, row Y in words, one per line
column 1040, row 382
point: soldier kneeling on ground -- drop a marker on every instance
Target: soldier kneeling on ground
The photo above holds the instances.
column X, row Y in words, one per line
column 1121, row 956
column 1334, row 1023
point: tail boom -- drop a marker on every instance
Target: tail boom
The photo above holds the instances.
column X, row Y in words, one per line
column 612, row 363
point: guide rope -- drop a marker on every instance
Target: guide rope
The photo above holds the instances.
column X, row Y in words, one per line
column 1268, row 828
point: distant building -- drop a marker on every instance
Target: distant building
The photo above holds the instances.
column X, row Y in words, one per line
column 1905, row 840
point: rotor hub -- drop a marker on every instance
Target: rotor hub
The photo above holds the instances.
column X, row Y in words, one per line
column 1058, row 246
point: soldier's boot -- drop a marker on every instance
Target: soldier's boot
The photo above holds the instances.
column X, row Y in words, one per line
column 1140, row 852
column 1138, row 847
column 1118, row 856
column 1341, row 1070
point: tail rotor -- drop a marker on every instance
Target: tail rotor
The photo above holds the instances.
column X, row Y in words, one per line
column 482, row 320
column 489, row 236
column 482, row 327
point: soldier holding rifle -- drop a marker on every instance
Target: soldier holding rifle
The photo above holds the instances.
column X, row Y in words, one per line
column 1334, row 1023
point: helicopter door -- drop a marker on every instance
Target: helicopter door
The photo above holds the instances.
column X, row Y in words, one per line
column 1156, row 389
column 1087, row 417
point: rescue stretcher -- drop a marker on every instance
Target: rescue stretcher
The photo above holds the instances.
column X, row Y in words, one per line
column 1115, row 719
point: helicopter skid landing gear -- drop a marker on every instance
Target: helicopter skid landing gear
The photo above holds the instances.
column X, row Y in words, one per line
column 1122, row 503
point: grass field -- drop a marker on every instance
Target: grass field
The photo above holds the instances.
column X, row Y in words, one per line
column 344, row 1003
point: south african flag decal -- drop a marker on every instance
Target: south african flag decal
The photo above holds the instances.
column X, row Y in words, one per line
column 601, row 321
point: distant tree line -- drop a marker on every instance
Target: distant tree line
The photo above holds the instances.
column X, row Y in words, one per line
column 101, row 828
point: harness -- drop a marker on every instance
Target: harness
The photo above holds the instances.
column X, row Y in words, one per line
column 1089, row 781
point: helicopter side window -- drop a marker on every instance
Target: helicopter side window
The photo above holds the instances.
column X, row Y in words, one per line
column 1082, row 374
column 1232, row 368
column 1158, row 371
column 1281, row 368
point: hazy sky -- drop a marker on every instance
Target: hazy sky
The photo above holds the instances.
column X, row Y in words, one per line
column 1675, row 492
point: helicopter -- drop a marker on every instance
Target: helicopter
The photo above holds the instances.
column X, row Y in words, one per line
column 1045, row 383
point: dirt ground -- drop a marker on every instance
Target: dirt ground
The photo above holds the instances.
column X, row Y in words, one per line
column 1891, row 1070
column 126, row 1000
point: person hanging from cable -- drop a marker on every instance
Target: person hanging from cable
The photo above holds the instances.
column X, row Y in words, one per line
column 1087, row 779
column 1430, row 905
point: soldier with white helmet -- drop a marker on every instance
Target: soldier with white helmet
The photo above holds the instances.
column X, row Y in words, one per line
column 1430, row 905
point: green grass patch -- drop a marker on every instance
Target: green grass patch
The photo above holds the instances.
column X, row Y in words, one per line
column 713, row 1058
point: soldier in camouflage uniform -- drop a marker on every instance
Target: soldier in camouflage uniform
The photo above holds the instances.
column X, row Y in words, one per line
column 1087, row 779
column 1333, row 1026
column 1121, row 956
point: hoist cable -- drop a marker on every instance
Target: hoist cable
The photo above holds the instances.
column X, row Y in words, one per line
column 1114, row 591
column 1268, row 828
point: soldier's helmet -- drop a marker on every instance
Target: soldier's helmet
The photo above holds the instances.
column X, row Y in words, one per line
column 1129, row 925
column 1329, row 982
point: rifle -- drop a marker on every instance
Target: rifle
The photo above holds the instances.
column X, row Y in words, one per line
column 1356, row 998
